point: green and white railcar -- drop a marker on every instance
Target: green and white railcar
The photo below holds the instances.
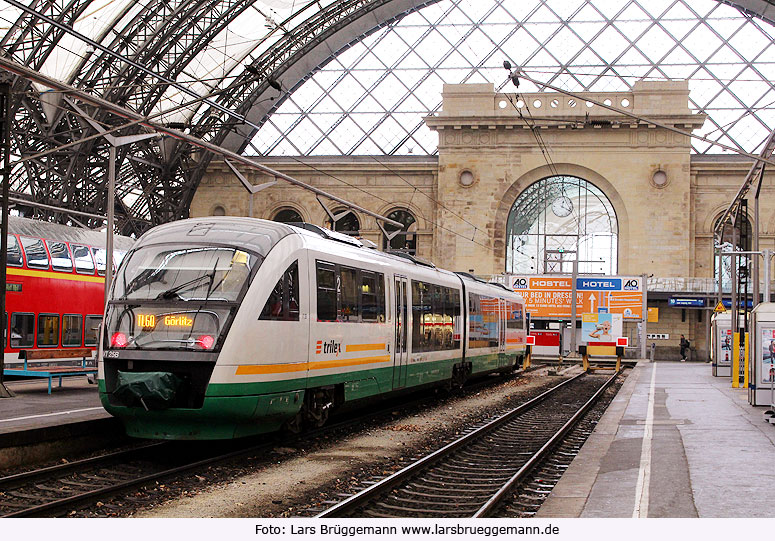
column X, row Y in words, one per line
column 225, row 327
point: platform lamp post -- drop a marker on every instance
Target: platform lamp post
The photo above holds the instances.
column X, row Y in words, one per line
column 5, row 111
column 114, row 142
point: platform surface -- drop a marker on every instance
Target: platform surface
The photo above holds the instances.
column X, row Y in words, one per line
column 675, row 442
column 33, row 407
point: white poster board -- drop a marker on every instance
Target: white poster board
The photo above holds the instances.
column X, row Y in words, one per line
column 768, row 354
column 601, row 329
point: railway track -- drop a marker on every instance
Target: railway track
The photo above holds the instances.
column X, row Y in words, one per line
column 60, row 489
column 475, row 474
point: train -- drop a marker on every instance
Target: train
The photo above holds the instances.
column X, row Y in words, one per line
column 55, row 286
column 227, row 327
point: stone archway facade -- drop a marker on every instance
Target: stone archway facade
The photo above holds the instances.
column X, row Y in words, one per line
column 510, row 141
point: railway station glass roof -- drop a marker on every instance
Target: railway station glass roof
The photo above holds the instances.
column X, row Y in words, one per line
column 255, row 30
column 371, row 98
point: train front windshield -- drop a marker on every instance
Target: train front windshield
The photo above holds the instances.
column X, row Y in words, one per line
column 177, row 297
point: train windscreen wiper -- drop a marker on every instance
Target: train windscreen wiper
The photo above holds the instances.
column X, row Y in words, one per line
column 173, row 292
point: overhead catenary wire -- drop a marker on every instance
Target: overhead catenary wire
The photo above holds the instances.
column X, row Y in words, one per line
column 370, row 194
column 416, row 190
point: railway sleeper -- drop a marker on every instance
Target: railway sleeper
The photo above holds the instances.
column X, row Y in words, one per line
column 446, row 483
column 496, row 471
column 33, row 497
column 452, row 479
column 483, row 469
column 447, row 489
column 57, row 490
column 432, row 498
column 460, row 511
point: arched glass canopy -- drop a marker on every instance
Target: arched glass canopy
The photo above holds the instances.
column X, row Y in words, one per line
column 557, row 220
column 371, row 99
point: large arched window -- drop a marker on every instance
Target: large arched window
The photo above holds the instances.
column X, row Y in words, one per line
column 347, row 222
column 403, row 240
column 287, row 215
column 741, row 237
column 557, row 220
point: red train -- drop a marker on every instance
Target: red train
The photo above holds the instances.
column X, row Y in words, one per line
column 55, row 285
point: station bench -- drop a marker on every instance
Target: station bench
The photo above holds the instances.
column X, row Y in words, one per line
column 51, row 372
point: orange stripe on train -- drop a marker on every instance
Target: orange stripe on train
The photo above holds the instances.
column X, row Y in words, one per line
column 250, row 369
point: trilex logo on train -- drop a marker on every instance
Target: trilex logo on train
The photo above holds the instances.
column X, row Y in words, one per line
column 328, row 347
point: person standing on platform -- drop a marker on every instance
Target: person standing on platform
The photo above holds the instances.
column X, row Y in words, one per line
column 684, row 348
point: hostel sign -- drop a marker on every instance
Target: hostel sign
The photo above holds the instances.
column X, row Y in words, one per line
column 549, row 296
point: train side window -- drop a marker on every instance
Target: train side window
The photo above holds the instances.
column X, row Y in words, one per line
column 100, row 256
column 84, row 263
column 36, row 253
column 451, row 318
column 91, row 330
column 327, row 291
column 373, row 296
column 22, row 330
column 483, row 321
column 283, row 302
column 48, row 330
column 490, row 310
column 60, row 256
column 72, row 330
column 14, row 255
column 475, row 322
column 421, row 317
column 515, row 319
column 350, row 298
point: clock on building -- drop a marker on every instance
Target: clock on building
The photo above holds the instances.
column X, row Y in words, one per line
column 562, row 206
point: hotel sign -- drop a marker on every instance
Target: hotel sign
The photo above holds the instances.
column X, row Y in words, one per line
column 549, row 296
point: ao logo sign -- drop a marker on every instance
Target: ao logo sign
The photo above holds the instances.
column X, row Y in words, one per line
column 520, row 283
column 631, row 285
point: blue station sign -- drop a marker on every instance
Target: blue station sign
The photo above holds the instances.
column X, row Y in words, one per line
column 686, row 301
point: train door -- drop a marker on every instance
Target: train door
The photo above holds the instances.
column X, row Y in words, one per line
column 401, row 349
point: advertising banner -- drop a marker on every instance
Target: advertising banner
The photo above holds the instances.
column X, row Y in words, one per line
column 768, row 354
column 549, row 296
column 724, row 346
column 601, row 329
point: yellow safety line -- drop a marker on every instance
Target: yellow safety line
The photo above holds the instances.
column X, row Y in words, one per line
column 250, row 369
column 364, row 347
column 55, row 275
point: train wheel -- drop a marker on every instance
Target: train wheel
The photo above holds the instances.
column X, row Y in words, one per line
column 318, row 404
column 294, row 425
column 460, row 374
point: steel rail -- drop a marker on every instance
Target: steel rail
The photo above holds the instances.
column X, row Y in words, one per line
column 50, row 508
column 543, row 451
column 389, row 482
column 23, row 477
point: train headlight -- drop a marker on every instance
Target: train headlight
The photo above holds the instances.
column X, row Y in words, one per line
column 205, row 341
column 119, row 340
